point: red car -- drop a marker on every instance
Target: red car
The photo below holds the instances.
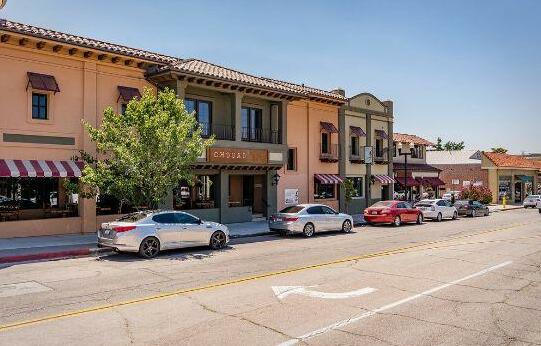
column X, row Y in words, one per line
column 393, row 212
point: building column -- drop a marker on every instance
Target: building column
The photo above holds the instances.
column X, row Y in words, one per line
column 368, row 180
column 87, row 206
column 390, row 194
column 283, row 121
column 181, row 89
column 272, row 193
column 224, row 193
column 236, row 104
column 342, row 204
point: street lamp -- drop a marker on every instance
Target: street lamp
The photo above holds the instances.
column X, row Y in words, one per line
column 405, row 154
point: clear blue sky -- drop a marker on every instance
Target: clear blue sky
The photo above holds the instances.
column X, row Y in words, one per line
column 462, row 70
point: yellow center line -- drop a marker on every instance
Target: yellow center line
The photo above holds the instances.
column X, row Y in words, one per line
column 400, row 250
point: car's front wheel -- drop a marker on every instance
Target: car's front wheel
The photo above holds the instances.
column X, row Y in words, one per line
column 149, row 248
column 308, row 230
column 218, row 240
column 397, row 221
column 346, row 226
column 455, row 215
column 539, row 210
column 419, row 219
column 439, row 217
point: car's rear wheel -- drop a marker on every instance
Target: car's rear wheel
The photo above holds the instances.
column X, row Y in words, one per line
column 308, row 230
column 539, row 210
column 420, row 219
column 455, row 215
column 218, row 240
column 397, row 221
column 439, row 217
column 346, row 226
column 149, row 248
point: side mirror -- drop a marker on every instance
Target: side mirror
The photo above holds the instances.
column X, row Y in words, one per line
column 199, row 221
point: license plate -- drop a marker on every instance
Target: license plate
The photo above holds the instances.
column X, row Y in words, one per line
column 278, row 219
column 107, row 233
column 374, row 213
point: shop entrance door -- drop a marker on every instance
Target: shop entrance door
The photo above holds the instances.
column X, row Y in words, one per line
column 248, row 190
column 518, row 192
column 384, row 192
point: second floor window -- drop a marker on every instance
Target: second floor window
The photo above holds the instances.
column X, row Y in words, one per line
column 379, row 147
column 251, row 122
column 325, row 143
column 39, row 106
column 203, row 113
column 417, row 152
column 292, row 159
column 354, row 145
column 123, row 108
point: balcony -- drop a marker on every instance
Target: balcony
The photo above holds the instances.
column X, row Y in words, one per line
column 381, row 156
column 329, row 152
column 261, row 135
column 220, row 132
column 356, row 154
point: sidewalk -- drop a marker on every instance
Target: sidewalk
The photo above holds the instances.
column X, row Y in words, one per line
column 76, row 245
column 495, row 208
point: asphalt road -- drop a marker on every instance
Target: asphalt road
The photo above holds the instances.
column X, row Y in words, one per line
column 470, row 281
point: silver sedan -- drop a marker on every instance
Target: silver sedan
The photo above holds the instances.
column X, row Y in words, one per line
column 308, row 219
column 149, row 232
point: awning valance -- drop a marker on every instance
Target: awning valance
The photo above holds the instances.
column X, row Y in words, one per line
column 329, row 178
column 43, row 82
column 357, row 131
column 127, row 94
column 40, row 168
column 382, row 134
column 384, row 179
column 329, row 127
column 408, row 182
column 432, row 181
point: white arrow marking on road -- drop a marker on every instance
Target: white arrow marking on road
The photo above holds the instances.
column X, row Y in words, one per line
column 283, row 291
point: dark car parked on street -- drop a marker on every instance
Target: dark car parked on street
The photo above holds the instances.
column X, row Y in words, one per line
column 471, row 208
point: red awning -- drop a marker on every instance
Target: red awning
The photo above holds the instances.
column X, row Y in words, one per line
column 382, row 134
column 357, row 131
column 127, row 94
column 410, row 181
column 432, row 181
column 329, row 127
column 384, row 179
column 44, row 82
column 329, row 178
column 40, row 168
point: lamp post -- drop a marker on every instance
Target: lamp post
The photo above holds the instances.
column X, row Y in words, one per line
column 405, row 154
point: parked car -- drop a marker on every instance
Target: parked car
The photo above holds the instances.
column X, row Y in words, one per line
column 449, row 195
column 149, row 232
column 392, row 212
column 539, row 206
column 531, row 201
column 309, row 219
column 471, row 208
column 437, row 209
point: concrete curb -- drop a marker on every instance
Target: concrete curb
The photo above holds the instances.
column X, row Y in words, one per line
column 54, row 255
column 259, row 234
column 506, row 209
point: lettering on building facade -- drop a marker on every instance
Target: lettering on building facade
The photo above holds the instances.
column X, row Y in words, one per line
column 235, row 155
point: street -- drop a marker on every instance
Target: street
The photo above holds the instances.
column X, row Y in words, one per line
column 463, row 282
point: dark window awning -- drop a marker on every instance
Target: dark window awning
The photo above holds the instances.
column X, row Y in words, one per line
column 357, row 131
column 329, row 178
column 40, row 168
column 384, row 179
column 329, row 127
column 382, row 134
column 43, row 82
column 127, row 94
column 432, row 181
column 408, row 182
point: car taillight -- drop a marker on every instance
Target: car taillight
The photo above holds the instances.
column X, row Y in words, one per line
column 290, row 219
column 120, row 229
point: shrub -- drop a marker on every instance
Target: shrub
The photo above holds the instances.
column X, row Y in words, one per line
column 477, row 193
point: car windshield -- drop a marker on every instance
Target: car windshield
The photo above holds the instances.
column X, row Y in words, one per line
column 292, row 209
column 133, row 217
column 383, row 204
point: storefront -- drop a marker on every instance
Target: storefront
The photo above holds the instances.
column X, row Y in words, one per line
column 231, row 185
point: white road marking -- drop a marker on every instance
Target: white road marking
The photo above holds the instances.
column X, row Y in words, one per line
column 283, row 291
column 357, row 318
column 20, row 288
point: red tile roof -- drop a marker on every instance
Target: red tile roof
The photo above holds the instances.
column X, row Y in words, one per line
column 25, row 29
column 311, row 91
column 514, row 161
column 405, row 138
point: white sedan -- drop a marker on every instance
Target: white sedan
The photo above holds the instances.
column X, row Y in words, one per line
column 531, row 201
column 437, row 209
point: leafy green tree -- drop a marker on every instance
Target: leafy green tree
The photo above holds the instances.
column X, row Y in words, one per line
column 451, row 146
column 349, row 192
column 439, row 145
column 144, row 153
column 499, row 150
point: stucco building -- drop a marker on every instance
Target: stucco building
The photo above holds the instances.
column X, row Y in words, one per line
column 366, row 128
column 459, row 168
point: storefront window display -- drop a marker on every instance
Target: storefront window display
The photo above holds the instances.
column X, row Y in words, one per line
column 199, row 195
column 504, row 188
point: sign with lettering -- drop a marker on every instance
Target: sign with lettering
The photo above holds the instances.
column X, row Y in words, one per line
column 237, row 155
column 291, row 196
column 368, row 158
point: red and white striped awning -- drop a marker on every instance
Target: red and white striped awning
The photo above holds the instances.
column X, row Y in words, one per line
column 329, row 178
column 384, row 179
column 40, row 168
